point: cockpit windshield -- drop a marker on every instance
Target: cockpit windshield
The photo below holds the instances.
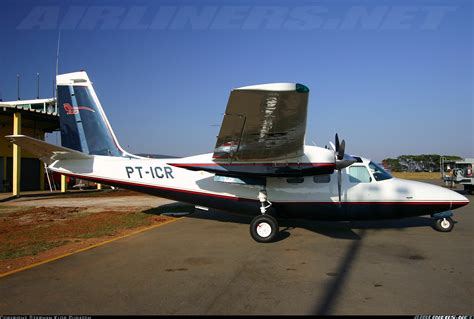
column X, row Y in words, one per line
column 379, row 173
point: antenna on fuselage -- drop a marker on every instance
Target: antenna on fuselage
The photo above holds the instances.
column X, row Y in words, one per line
column 57, row 53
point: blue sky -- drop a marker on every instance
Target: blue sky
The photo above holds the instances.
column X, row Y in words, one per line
column 391, row 77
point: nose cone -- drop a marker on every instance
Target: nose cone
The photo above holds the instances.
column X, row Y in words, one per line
column 438, row 193
column 429, row 193
column 457, row 199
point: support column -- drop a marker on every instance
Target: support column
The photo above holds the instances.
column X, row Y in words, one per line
column 63, row 184
column 16, row 156
column 42, row 171
column 41, row 177
column 99, row 186
column 4, row 173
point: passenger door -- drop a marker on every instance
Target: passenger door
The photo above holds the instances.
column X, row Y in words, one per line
column 358, row 184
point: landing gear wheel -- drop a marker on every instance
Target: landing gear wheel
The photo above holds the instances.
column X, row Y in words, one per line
column 263, row 228
column 444, row 224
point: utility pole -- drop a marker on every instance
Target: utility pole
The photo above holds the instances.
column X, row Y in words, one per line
column 38, row 76
column 18, row 86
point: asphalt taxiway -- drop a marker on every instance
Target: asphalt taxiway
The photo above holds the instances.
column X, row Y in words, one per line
column 207, row 263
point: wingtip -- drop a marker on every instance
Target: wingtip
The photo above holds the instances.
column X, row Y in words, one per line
column 13, row 136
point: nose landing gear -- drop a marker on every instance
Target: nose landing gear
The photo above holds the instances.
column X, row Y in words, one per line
column 443, row 222
column 264, row 227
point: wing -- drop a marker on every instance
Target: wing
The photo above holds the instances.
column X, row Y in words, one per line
column 262, row 135
column 263, row 123
column 46, row 152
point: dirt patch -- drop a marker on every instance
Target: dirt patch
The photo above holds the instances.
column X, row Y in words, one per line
column 103, row 193
column 82, row 194
column 30, row 235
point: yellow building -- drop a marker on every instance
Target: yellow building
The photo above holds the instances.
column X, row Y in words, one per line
column 22, row 171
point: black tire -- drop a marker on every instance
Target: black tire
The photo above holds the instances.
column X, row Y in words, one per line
column 444, row 225
column 263, row 228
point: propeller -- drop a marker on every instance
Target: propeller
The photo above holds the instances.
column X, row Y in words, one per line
column 339, row 185
column 342, row 161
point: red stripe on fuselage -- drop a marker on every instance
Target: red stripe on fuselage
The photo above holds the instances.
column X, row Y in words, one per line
column 99, row 179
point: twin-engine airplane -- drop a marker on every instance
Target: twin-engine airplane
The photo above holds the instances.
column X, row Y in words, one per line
column 260, row 165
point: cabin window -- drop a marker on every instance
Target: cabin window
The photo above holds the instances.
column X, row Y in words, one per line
column 295, row 180
column 322, row 178
column 359, row 174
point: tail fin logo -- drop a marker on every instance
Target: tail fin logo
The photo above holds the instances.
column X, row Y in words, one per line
column 72, row 110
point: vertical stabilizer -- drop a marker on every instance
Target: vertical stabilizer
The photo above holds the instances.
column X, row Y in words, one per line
column 84, row 125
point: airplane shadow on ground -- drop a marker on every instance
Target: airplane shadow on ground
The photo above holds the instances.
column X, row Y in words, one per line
column 333, row 229
column 354, row 231
column 339, row 230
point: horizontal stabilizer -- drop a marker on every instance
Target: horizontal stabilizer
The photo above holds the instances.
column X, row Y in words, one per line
column 46, row 152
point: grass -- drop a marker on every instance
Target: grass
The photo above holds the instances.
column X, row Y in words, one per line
column 32, row 231
column 20, row 240
column 29, row 249
column 125, row 222
column 417, row 175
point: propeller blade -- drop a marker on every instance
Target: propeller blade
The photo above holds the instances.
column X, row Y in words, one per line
column 332, row 146
column 339, row 185
column 340, row 152
column 337, row 143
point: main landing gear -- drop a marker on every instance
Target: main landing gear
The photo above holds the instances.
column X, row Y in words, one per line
column 443, row 222
column 264, row 227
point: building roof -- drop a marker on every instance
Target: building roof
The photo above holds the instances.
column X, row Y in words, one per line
column 38, row 113
column 43, row 106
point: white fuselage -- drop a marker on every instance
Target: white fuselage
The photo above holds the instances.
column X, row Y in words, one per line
column 310, row 195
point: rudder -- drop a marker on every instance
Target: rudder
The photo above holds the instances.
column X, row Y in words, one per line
column 83, row 123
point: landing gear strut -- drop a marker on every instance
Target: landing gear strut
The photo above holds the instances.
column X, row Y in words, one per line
column 264, row 227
